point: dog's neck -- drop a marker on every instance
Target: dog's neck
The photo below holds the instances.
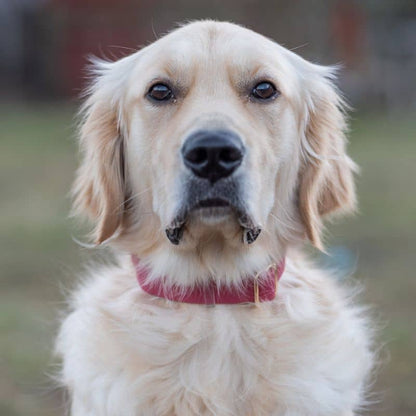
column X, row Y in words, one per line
column 261, row 287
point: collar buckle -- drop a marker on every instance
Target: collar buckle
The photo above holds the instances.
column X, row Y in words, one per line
column 256, row 287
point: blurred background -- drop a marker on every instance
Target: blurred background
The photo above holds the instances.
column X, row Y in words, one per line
column 44, row 45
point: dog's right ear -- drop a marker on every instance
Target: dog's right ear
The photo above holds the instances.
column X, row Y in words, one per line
column 100, row 186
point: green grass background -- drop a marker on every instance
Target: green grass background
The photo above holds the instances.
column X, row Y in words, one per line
column 38, row 257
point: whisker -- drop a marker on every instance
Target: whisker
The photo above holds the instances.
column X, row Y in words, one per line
column 133, row 197
column 280, row 223
column 138, row 194
column 123, row 47
column 153, row 30
column 300, row 46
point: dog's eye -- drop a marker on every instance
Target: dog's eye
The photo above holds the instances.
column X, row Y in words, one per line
column 264, row 91
column 160, row 92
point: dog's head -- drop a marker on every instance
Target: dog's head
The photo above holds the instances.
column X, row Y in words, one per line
column 212, row 133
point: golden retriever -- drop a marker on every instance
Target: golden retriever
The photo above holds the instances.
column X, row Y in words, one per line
column 209, row 158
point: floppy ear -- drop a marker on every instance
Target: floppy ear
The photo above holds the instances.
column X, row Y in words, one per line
column 100, row 187
column 326, row 183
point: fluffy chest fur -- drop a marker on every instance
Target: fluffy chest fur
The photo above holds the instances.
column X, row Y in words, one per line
column 126, row 353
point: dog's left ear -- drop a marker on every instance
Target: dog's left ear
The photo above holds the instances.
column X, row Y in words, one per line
column 326, row 183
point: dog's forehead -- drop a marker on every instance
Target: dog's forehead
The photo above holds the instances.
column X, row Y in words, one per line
column 211, row 44
column 209, row 34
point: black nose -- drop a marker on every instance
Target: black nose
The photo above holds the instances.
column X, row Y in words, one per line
column 213, row 154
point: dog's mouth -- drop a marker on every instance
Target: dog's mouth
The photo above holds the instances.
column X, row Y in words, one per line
column 213, row 211
column 212, row 203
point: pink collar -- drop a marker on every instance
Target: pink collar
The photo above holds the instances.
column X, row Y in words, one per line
column 261, row 288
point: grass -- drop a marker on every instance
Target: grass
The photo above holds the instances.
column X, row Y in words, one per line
column 37, row 254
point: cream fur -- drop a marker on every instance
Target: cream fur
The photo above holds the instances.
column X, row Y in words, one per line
column 126, row 353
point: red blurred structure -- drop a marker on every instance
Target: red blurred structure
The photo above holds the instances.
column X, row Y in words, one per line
column 348, row 30
column 94, row 27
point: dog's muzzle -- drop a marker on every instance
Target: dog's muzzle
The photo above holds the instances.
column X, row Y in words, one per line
column 213, row 182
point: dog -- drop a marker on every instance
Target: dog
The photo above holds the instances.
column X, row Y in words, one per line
column 209, row 158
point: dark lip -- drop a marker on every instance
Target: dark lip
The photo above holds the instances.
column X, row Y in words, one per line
column 212, row 203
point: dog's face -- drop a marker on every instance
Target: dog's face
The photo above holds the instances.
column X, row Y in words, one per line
column 213, row 133
column 210, row 124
